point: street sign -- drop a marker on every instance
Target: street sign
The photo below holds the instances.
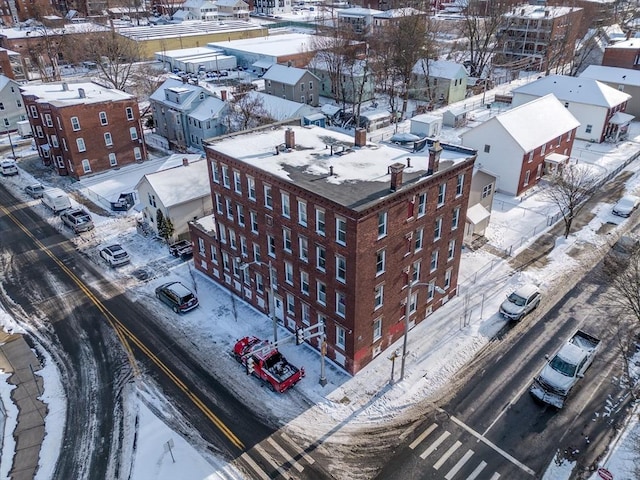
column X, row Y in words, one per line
column 605, row 474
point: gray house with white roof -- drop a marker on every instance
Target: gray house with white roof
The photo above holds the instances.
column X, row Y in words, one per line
column 181, row 193
column 623, row 79
column 186, row 114
column 599, row 108
column 11, row 104
column 295, row 84
column 280, row 109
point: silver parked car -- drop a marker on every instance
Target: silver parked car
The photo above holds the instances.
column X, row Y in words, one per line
column 521, row 302
column 626, row 205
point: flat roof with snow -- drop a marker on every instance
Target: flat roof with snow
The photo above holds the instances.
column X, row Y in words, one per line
column 274, row 45
column 327, row 163
column 64, row 94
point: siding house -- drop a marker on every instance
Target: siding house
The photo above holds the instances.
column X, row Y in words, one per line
column 339, row 231
column 186, row 114
column 11, row 104
column 295, row 84
column 181, row 193
column 521, row 144
column 439, row 81
column 623, row 79
column 599, row 108
column 342, row 80
column 483, row 187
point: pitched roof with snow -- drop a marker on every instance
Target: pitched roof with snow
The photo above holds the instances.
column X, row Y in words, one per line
column 180, row 184
column 208, row 109
column 439, row 69
column 279, row 108
column 623, row 76
column 575, row 89
column 529, row 125
column 180, row 87
column 284, row 74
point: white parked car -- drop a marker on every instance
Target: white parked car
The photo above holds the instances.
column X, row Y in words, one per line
column 519, row 303
column 626, row 205
column 115, row 255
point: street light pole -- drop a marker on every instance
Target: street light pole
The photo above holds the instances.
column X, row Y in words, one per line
column 273, row 286
column 407, row 311
column 10, row 142
column 272, row 302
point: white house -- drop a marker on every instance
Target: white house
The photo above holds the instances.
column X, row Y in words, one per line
column 203, row 10
column 521, row 144
column 599, row 108
column 623, row 79
column 181, row 193
column 233, row 9
column 11, row 105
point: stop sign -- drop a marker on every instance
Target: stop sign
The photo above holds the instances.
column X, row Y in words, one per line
column 605, row 474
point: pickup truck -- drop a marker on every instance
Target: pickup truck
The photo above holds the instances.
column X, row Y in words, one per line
column 263, row 360
column 562, row 372
column 77, row 219
column 182, row 249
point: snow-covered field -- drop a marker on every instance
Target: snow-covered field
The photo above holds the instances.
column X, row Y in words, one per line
column 451, row 336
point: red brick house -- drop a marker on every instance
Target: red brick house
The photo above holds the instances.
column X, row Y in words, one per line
column 342, row 225
column 623, row 54
column 84, row 128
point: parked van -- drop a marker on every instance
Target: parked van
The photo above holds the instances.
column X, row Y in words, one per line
column 8, row 167
column 56, row 199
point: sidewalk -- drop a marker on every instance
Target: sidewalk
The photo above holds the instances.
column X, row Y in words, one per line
column 18, row 360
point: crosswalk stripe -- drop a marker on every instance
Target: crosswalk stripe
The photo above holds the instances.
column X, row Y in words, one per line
column 256, row 468
column 297, row 449
column 477, row 471
column 285, row 455
column 269, row 459
column 456, row 468
column 434, row 445
column 406, row 433
column 446, row 455
column 496, row 476
column 423, row 435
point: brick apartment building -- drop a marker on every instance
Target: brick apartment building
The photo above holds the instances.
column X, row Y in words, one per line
column 342, row 228
column 623, row 54
column 538, row 37
column 84, row 128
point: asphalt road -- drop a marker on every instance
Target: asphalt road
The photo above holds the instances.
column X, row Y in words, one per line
column 100, row 340
column 491, row 427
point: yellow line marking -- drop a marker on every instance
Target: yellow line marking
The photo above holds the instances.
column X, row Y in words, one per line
column 122, row 332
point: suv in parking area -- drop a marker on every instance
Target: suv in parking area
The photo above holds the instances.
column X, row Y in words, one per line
column 177, row 296
column 519, row 303
column 115, row 255
column 77, row 219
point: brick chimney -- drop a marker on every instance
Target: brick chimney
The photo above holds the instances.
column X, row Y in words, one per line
column 185, row 162
column 434, row 157
column 396, row 176
column 223, row 95
column 65, row 87
column 361, row 137
column 81, row 93
column 289, row 138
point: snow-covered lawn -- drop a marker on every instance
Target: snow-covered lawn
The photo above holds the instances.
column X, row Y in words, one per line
column 438, row 347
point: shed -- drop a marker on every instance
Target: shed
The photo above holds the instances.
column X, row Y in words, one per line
column 426, row 125
column 317, row 119
column 455, row 117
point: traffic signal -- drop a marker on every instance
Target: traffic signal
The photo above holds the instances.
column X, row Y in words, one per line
column 249, row 365
column 299, row 336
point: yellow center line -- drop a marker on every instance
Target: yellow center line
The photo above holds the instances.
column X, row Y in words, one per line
column 123, row 332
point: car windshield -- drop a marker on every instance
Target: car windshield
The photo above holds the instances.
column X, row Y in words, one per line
column 560, row 365
column 517, row 299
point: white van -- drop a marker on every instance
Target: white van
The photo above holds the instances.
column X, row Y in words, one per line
column 8, row 167
column 56, row 199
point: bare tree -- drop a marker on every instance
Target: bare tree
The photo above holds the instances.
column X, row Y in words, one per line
column 46, row 47
column 586, row 50
column 113, row 54
column 247, row 110
column 144, row 80
column 569, row 189
column 482, row 21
